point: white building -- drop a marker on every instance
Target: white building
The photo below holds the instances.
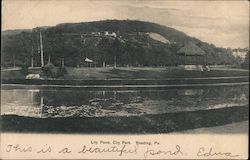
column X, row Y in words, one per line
column 240, row 53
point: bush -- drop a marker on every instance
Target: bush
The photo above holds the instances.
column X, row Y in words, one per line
column 24, row 69
column 245, row 64
column 49, row 70
column 61, row 72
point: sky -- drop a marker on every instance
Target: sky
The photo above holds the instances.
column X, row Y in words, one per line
column 223, row 23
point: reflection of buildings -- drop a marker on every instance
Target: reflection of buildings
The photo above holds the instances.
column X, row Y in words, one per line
column 190, row 92
column 21, row 102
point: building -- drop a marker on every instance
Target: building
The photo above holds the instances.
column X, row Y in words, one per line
column 191, row 57
column 240, row 52
column 191, row 54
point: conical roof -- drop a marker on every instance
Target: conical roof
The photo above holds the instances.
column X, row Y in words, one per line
column 49, row 65
column 191, row 49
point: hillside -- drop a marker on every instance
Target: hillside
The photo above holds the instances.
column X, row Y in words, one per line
column 15, row 32
column 109, row 42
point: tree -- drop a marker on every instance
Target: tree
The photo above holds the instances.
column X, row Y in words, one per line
column 245, row 64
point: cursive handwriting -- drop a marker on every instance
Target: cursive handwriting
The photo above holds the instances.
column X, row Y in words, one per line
column 119, row 150
column 45, row 149
column 114, row 149
column 18, row 148
column 152, row 152
column 65, row 150
column 202, row 152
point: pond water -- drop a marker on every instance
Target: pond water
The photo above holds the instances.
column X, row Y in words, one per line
column 58, row 102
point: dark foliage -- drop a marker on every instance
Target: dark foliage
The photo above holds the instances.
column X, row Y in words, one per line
column 24, row 69
column 245, row 64
column 49, row 71
column 61, row 72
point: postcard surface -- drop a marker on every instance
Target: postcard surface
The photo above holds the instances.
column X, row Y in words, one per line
column 127, row 79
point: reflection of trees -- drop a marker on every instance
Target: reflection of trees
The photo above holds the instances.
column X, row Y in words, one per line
column 64, row 103
column 79, row 97
column 226, row 92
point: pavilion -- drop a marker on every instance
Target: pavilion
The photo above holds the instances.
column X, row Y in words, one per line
column 191, row 55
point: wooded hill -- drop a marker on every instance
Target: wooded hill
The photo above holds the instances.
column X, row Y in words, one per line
column 124, row 42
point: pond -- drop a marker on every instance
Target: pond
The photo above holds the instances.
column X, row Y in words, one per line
column 76, row 102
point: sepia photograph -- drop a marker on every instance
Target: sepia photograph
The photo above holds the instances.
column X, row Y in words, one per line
column 127, row 67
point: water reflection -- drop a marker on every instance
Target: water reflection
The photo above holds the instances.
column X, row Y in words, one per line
column 86, row 103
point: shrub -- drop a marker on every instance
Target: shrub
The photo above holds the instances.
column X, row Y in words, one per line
column 245, row 64
column 61, row 72
column 49, row 70
column 24, row 69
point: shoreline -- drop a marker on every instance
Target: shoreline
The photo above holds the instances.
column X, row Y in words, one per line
column 20, row 86
column 232, row 128
column 130, row 83
column 161, row 123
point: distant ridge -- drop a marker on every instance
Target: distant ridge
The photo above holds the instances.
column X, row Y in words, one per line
column 15, row 31
column 125, row 42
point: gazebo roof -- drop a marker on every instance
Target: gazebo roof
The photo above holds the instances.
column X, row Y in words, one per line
column 191, row 49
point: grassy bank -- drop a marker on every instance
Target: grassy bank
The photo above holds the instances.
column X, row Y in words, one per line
column 132, row 73
column 145, row 73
